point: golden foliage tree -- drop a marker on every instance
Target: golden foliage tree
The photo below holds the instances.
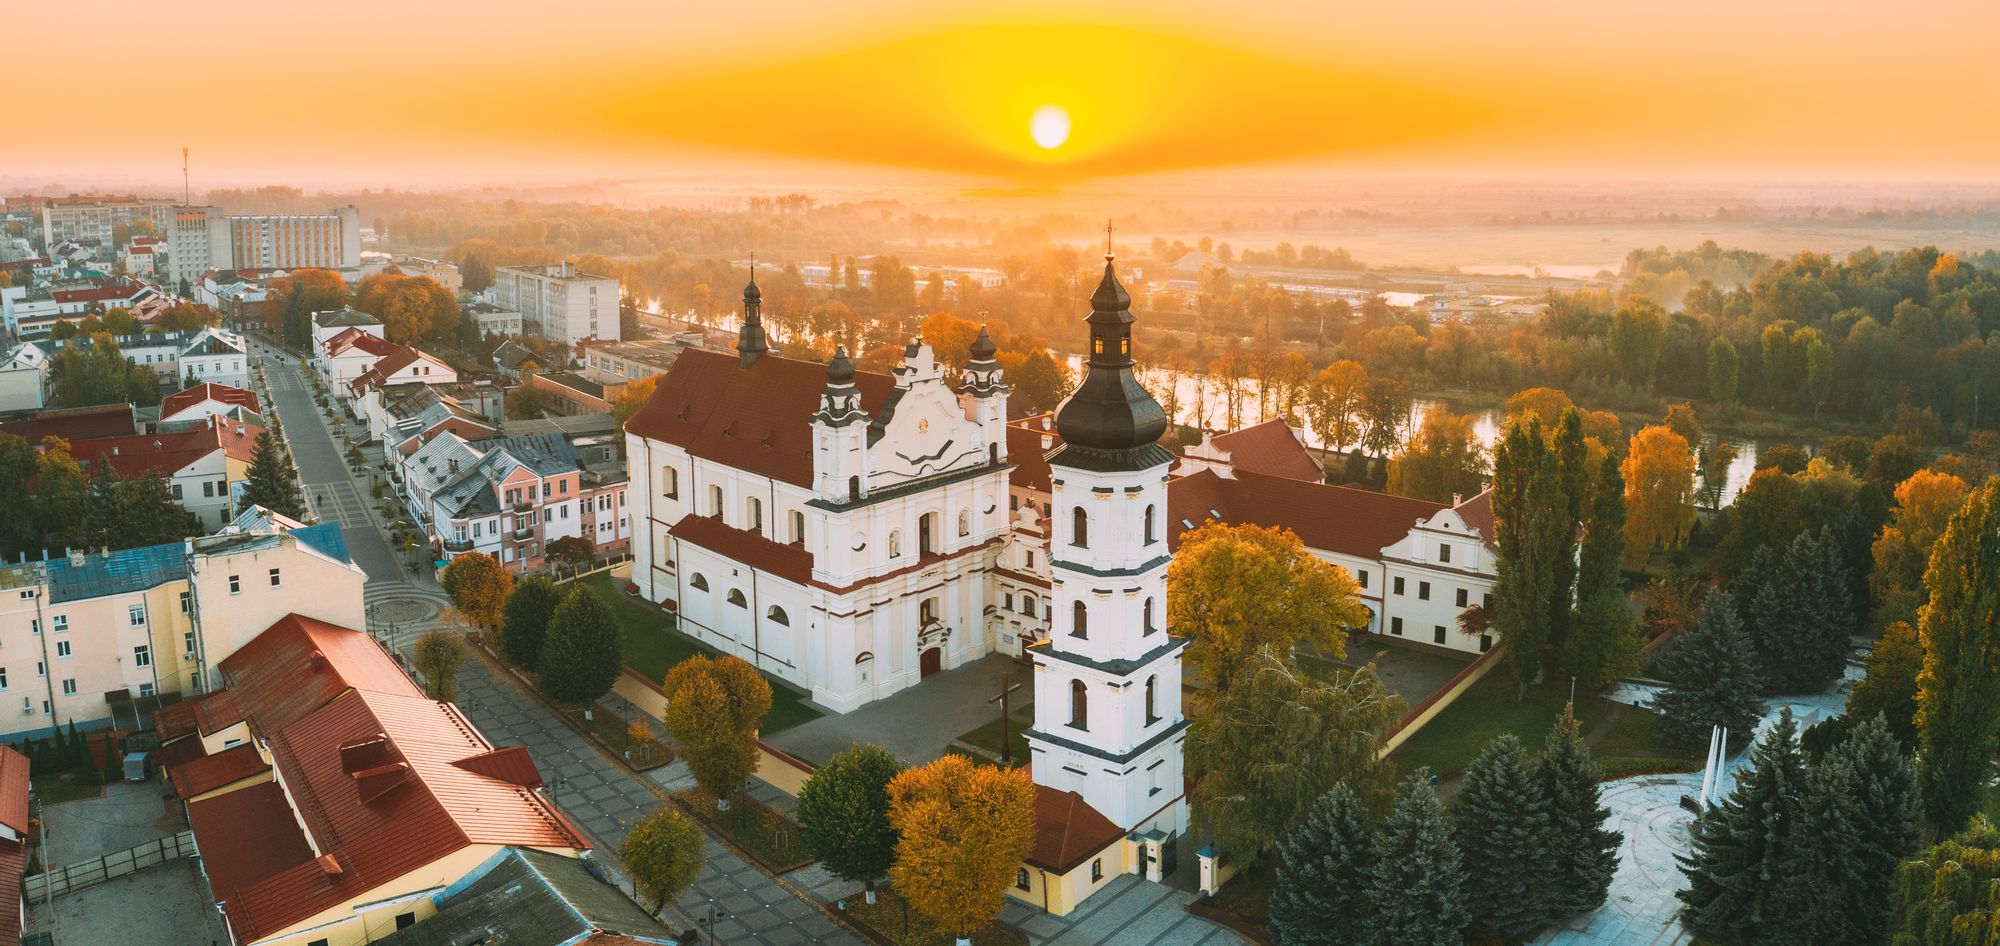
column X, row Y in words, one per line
column 1924, row 503
column 1659, row 492
column 713, row 709
column 1958, row 691
column 1236, row 588
column 963, row 831
column 1442, row 460
column 663, row 853
column 478, row 586
column 632, row 397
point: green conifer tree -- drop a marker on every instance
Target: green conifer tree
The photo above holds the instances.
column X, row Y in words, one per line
column 1741, row 848
column 1883, row 787
column 1711, row 680
column 1583, row 854
column 1603, row 642
column 1501, row 819
column 272, row 482
column 1416, row 885
column 1323, row 865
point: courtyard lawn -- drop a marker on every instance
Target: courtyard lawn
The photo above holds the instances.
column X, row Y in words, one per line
column 652, row 647
column 988, row 736
column 1456, row 736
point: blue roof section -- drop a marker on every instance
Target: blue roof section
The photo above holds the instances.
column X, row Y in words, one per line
column 325, row 539
column 115, row 572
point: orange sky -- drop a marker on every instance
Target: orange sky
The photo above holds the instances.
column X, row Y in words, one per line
column 370, row 92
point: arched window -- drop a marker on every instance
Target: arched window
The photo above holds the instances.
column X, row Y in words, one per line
column 756, row 514
column 853, row 488
column 1147, row 613
column 670, row 482
column 1028, row 605
column 715, row 501
column 776, row 615
column 965, row 522
column 1079, row 705
column 698, row 583
column 736, row 598
column 895, row 543
column 1152, row 690
column 798, row 527
column 1079, row 528
column 1149, row 525
column 1079, row 621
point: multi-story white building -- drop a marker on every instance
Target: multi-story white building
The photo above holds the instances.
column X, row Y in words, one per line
column 833, row 527
column 24, row 377
column 559, row 301
column 197, row 241
column 331, row 240
column 97, row 219
column 95, row 637
column 1106, row 742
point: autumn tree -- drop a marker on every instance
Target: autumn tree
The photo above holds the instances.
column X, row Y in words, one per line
column 1441, row 461
column 1659, row 492
column 583, row 654
column 1924, row 504
column 843, row 815
column 478, row 586
column 437, row 655
column 1958, row 692
column 61, row 494
column 963, row 829
column 574, row 551
column 19, row 533
column 1949, row 895
column 1266, row 748
column 291, row 300
column 714, row 707
column 1235, row 589
column 1638, row 331
column 633, row 396
column 1334, row 403
column 1890, row 688
column 412, row 308
column 663, row 853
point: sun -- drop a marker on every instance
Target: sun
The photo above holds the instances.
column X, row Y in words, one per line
column 1049, row 127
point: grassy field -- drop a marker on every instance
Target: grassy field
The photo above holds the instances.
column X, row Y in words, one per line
column 1457, row 735
column 988, row 736
column 652, row 646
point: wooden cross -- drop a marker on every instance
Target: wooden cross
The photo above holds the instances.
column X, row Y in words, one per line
column 1006, row 744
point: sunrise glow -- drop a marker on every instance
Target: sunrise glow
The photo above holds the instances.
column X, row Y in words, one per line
column 1049, row 127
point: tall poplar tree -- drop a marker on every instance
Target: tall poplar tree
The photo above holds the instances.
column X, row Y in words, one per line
column 1502, row 821
column 1416, row 887
column 1323, row 866
column 1525, row 528
column 1958, row 692
column 1603, row 644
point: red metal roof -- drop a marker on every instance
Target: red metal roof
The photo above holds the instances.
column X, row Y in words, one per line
column 1030, row 458
column 1272, row 449
column 1068, row 830
column 14, row 791
column 245, row 836
column 175, row 720
column 209, row 773
column 77, row 423
column 180, row 752
column 790, row 562
column 1478, row 514
column 111, row 291
column 217, row 714
column 757, row 419
column 349, row 338
column 134, row 455
column 207, row 391
column 298, row 664
column 1342, row 519
column 387, row 366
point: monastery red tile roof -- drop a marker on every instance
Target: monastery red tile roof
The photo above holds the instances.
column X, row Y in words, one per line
column 790, row 562
column 1341, row 519
column 1068, row 830
column 208, row 773
column 1272, row 449
column 1478, row 514
column 1030, row 458
column 757, row 419
column 73, row 424
column 206, row 391
column 112, row 291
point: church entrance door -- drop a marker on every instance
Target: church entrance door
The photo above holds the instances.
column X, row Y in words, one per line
column 930, row 662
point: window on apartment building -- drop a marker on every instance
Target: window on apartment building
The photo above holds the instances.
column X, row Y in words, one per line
column 207, row 490
column 546, row 491
column 1399, row 584
column 145, row 690
column 235, row 584
column 62, row 649
column 187, row 640
column 1444, row 553
column 187, row 602
column 45, row 708
column 562, row 487
column 69, row 686
column 277, row 580
column 1396, row 626
column 670, row 482
column 60, row 623
column 176, row 490
column 142, row 656
column 3, row 678
column 405, row 920
column 1423, row 591
column 41, row 669
column 1463, row 595
column 507, row 554
column 136, row 614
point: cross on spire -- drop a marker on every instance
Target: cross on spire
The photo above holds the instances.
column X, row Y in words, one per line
column 1107, row 239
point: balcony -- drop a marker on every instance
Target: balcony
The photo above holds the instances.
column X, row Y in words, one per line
column 457, row 546
column 524, row 506
column 524, row 532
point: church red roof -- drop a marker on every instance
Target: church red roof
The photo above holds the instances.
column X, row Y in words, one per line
column 1341, row 519
column 756, row 419
column 1270, row 448
column 1068, row 830
column 1030, row 458
column 790, row 562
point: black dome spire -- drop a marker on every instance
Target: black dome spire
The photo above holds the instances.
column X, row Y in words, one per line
column 983, row 348
column 750, row 342
column 1111, row 410
column 839, row 371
